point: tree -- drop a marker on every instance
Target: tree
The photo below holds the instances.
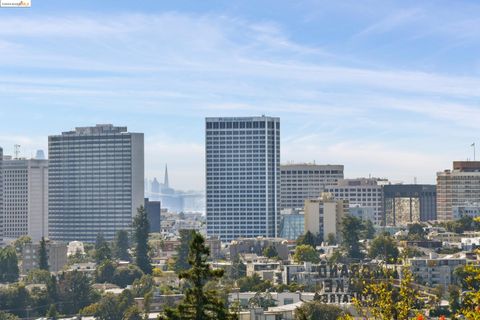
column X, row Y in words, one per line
column 238, row 268
column 141, row 227
column 102, row 249
column 199, row 303
column 384, row 247
column 132, row 313
column 105, row 271
column 352, row 229
column 331, row 239
column 122, row 244
column 181, row 260
column 124, row 276
column 52, row 289
column 369, row 232
column 52, row 312
column 75, row 292
column 470, row 306
column 309, row 239
column 253, row 283
column 305, row 253
column 37, row 276
column 262, row 300
column 315, row 310
column 416, row 231
column 270, row 252
column 8, row 265
column 43, row 256
column 454, row 298
column 143, row 285
column 7, row 316
column 21, row 242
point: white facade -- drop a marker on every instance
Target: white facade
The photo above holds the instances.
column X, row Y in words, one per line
column 300, row 182
column 25, row 203
column 362, row 192
column 242, row 177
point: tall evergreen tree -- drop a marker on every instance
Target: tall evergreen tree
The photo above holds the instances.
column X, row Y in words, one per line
column 102, row 249
column 199, row 303
column 181, row 260
column 141, row 227
column 8, row 265
column 352, row 229
column 122, row 244
column 43, row 256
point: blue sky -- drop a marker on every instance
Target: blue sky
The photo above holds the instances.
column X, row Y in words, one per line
column 387, row 88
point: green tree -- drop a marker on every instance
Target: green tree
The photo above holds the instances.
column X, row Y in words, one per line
column 102, row 249
column 384, row 247
column 199, row 303
column 309, row 239
column 75, row 292
column 416, row 231
column 105, row 271
column 132, row 313
column 238, row 268
column 352, row 228
column 454, row 298
column 52, row 289
column 52, row 312
column 7, row 316
column 122, row 244
column 262, row 300
column 43, row 256
column 37, row 276
column 124, row 276
column 181, row 260
column 270, row 252
column 141, row 227
column 8, row 265
column 331, row 239
column 315, row 310
column 143, row 285
column 306, row 253
column 369, row 232
column 21, row 242
column 14, row 298
column 253, row 283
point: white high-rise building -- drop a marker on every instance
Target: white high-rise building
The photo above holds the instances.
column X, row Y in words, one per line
column 361, row 192
column 242, row 177
column 96, row 182
column 300, row 182
column 25, row 198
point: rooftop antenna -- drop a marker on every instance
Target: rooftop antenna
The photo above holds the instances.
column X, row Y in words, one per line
column 16, row 150
column 473, row 146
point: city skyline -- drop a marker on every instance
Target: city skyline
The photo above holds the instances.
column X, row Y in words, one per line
column 385, row 92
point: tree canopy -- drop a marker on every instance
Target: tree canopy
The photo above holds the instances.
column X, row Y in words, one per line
column 141, row 227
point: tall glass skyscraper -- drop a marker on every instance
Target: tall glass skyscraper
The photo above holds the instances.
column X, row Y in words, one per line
column 95, row 182
column 243, row 176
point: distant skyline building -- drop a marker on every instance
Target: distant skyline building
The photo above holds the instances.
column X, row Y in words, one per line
column 407, row 203
column 40, row 155
column 242, row 176
column 361, row 192
column 459, row 187
column 305, row 181
column 96, row 182
column 153, row 209
column 25, row 198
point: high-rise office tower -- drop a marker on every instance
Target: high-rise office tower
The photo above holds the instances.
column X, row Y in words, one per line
column 242, row 176
column 300, row 182
column 456, row 188
column 25, row 198
column 361, row 193
column 96, row 182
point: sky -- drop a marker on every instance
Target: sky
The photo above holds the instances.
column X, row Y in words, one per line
column 387, row 88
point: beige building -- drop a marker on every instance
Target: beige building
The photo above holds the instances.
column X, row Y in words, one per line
column 323, row 216
column 57, row 256
column 457, row 188
column 25, row 198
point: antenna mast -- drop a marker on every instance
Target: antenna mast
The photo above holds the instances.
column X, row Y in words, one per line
column 16, row 150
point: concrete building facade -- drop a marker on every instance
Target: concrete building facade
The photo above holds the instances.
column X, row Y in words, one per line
column 25, row 198
column 56, row 252
column 96, row 182
column 300, row 182
column 323, row 216
column 242, row 176
column 407, row 203
column 458, row 187
column 361, row 192
column 153, row 209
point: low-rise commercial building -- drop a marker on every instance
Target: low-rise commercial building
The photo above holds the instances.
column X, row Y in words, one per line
column 436, row 270
column 56, row 252
column 257, row 245
column 323, row 215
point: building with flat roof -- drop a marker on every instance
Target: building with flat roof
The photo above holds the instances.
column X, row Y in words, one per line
column 300, row 182
column 361, row 192
column 323, row 216
column 25, row 198
column 458, row 187
column 407, row 203
column 242, row 176
column 153, row 209
column 56, row 252
column 96, row 182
